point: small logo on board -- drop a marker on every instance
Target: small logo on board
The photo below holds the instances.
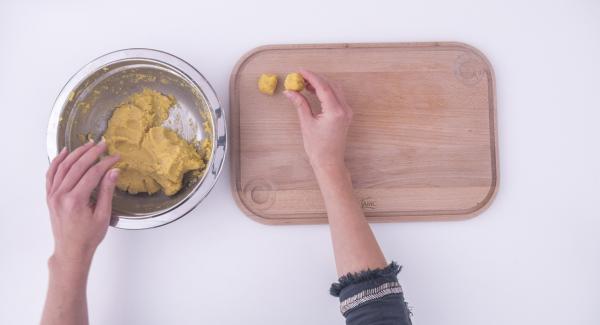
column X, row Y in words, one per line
column 368, row 203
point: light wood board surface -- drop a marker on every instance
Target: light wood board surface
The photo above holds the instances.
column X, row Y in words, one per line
column 422, row 145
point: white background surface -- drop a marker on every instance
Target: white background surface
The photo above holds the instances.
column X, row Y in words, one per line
column 532, row 258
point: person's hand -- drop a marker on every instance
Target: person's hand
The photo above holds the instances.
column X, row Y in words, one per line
column 324, row 134
column 78, row 224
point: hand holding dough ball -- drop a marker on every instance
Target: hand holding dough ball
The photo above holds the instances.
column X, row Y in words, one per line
column 294, row 81
column 267, row 83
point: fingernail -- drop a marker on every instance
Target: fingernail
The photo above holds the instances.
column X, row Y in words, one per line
column 287, row 94
column 63, row 150
column 113, row 174
column 90, row 140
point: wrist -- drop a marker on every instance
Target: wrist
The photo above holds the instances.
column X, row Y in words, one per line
column 328, row 166
column 62, row 262
column 338, row 173
column 68, row 274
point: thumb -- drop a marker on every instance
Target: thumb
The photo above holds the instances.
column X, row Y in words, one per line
column 105, row 194
column 303, row 108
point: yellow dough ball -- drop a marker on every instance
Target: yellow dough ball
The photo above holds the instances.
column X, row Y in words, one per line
column 294, row 81
column 267, row 83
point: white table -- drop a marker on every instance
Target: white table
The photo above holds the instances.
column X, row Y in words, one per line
column 532, row 258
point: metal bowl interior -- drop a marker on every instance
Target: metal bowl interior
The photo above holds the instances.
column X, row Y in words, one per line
column 89, row 104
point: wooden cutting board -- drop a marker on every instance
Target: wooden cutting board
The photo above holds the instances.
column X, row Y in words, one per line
column 422, row 145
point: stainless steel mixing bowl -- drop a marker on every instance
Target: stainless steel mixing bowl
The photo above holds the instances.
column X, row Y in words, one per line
column 83, row 107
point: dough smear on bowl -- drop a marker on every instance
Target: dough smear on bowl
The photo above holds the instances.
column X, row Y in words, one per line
column 153, row 158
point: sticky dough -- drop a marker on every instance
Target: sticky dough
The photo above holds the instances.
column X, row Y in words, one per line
column 153, row 158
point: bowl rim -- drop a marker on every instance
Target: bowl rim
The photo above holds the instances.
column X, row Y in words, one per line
column 219, row 149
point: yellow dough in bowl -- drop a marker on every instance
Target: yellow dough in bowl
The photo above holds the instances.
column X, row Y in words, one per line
column 294, row 81
column 153, row 158
column 267, row 83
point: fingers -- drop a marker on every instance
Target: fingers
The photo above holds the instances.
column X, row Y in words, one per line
column 93, row 176
column 323, row 89
column 304, row 112
column 80, row 166
column 65, row 165
column 105, row 194
column 339, row 94
column 53, row 167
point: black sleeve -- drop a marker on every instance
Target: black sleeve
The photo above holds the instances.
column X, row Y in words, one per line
column 372, row 297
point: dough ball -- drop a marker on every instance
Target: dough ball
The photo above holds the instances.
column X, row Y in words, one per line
column 267, row 83
column 294, row 81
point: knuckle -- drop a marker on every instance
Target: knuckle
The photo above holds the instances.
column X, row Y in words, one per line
column 349, row 114
column 56, row 200
column 97, row 150
column 339, row 113
column 81, row 148
column 53, row 197
column 71, row 201
column 337, row 118
column 96, row 170
column 297, row 101
column 51, row 200
column 327, row 90
column 61, row 170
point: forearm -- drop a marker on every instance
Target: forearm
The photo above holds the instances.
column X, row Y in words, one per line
column 66, row 302
column 371, row 294
column 355, row 247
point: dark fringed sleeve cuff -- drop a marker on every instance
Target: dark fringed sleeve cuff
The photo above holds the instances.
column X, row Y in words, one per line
column 372, row 297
